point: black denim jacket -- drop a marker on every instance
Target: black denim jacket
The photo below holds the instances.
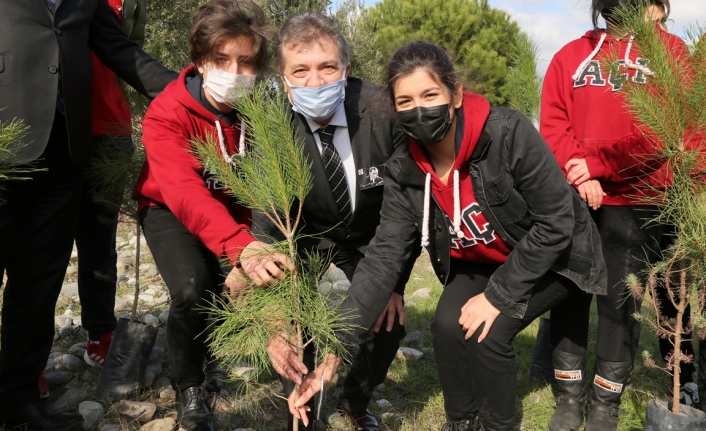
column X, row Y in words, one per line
column 524, row 196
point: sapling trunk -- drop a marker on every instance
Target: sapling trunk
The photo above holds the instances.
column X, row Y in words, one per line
column 676, row 358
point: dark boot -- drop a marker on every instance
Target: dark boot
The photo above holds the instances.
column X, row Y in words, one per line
column 570, row 384
column 607, row 388
column 192, row 412
column 36, row 417
column 541, row 370
column 469, row 423
column 213, row 378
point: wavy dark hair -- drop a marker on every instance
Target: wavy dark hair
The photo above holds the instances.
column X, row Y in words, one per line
column 600, row 7
column 422, row 55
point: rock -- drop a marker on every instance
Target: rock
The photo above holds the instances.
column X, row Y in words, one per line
column 154, row 365
column 422, row 293
column 161, row 340
column 131, row 281
column 384, row 404
column 142, row 412
column 416, row 277
column 70, row 398
column 167, row 393
column 121, row 277
column 59, row 378
column 391, row 418
column 63, row 321
column 223, row 407
column 413, row 337
column 147, row 299
column 336, row 274
column 160, row 383
column 166, row 424
column 325, row 287
column 164, row 315
column 161, row 300
column 90, row 375
column 120, row 304
column 156, row 287
column 72, row 270
column 68, row 312
column 409, row 353
column 92, row 413
column 337, row 422
column 77, row 351
column 380, row 387
column 109, row 427
column 76, row 321
column 151, row 291
column 341, row 286
column 246, row 372
column 68, row 362
column 150, row 319
column 152, row 272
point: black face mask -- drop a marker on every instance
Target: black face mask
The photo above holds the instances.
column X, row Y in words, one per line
column 426, row 125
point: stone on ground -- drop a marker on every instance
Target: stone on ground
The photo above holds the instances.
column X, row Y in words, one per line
column 413, row 338
column 409, row 353
column 77, row 350
column 70, row 289
column 150, row 319
column 140, row 411
column 70, row 399
column 68, row 362
column 63, row 321
column 422, row 293
column 92, row 413
column 120, row 304
column 59, row 378
column 384, row 404
column 161, row 382
column 341, row 285
column 164, row 315
column 335, row 275
column 166, row 424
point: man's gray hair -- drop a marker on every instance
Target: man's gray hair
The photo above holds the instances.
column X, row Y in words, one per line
column 307, row 28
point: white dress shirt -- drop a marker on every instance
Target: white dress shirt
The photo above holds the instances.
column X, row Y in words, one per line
column 342, row 143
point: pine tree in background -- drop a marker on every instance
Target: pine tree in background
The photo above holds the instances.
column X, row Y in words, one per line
column 272, row 177
column 278, row 11
column 524, row 85
column 479, row 39
column 672, row 113
column 357, row 27
column 168, row 24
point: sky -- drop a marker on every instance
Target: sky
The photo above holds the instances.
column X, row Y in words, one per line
column 554, row 23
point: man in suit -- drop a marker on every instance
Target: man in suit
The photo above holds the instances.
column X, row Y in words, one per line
column 347, row 130
column 45, row 80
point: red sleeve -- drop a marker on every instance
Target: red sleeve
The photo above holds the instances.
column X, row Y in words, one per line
column 555, row 122
column 178, row 175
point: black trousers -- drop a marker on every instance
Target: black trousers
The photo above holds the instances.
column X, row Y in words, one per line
column 630, row 240
column 369, row 368
column 37, row 226
column 194, row 277
column 482, row 377
column 97, row 258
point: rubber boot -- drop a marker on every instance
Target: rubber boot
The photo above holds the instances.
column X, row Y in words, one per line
column 608, row 385
column 124, row 368
column 570, row 384
column 541, row 370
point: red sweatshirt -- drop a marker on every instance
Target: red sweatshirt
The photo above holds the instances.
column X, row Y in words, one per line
column 172, row 175
column 480, row 243
column 585, row 117
column 111, row 110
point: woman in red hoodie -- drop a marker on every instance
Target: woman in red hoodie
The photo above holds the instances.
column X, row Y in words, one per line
column 584, row 120
column 507, row 237
column 189, row 220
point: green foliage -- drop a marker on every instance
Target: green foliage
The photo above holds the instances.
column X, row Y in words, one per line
column 358, row 28
column 673, row 108
column 478, row 38
column 168, row 24
column 279, row 10
column 523, row 82
column 274, row 177
column 11, row 135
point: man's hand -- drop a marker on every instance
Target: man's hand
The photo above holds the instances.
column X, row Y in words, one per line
column 235, row 282
column 476, row 312
column 311, row 385
column 285, row 359
column 394, row 306
column 592, row 192
column 263, row 265
column 577, row 172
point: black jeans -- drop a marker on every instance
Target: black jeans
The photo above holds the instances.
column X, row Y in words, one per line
column 37, row 226
column 630, row 240
column 97, row 258
column 482, row 377
column 194, row 277
column 369, row 368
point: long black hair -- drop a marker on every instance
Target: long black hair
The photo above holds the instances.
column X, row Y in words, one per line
column 422, row 55
column 604, row 7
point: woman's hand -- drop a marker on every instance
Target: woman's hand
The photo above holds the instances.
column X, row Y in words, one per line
column 476, row 312
column 577, row 172
column 235, row 282
column 285, row 358
column 311, row 385
column 394, row 306
column 263, row 265
column 592, row 192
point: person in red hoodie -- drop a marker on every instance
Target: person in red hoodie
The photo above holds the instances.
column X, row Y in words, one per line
column 586, row 124
column 189, row 220
column 507, row 237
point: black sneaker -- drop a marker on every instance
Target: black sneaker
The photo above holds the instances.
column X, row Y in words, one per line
column 470, row 423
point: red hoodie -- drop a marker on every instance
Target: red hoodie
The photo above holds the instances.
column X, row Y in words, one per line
column 111, row 110
column 172, row 175
column 585, row 117
column 480, row 243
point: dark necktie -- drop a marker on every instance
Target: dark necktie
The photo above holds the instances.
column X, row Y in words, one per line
column 335, row 172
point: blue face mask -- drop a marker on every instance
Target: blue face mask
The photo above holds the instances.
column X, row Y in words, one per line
column 317, row 103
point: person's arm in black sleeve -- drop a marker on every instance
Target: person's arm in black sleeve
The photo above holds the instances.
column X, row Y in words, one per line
column 124, row 57
column 541, row 183
column 385, row 261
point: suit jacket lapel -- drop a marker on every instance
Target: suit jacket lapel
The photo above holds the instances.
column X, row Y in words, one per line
column 359, row 133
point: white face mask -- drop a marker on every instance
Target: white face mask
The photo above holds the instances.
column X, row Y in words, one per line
column 226, row 87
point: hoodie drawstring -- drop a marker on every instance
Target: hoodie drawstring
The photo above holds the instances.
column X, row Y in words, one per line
column 457, row 209
column 222, row 142
column 630, row 65
column 588, row 59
